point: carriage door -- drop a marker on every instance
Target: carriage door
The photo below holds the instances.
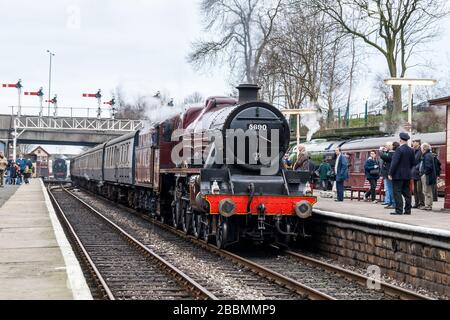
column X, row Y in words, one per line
column 116, row 163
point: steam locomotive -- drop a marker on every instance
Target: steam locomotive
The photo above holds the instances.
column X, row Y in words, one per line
column 59, row 169
column 213, row 171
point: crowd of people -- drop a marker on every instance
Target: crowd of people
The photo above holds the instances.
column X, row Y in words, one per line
column 15, row 173
column 397, row 163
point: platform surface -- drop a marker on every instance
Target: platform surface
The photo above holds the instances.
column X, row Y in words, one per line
column 435, row 219
column 36, row 261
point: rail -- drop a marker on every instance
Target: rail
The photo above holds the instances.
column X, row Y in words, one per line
column 191, row 285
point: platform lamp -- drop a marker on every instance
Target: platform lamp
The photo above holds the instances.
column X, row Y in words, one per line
column 410, row 83
column 298, row 112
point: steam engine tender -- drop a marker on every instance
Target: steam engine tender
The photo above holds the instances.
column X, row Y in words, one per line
column 213, row 171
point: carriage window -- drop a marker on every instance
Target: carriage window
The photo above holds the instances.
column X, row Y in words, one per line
column 167, row 131
column 357, row 162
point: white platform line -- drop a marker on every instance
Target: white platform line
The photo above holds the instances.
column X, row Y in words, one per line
column 77, row 282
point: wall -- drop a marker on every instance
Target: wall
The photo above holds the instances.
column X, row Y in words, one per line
column 422, row 260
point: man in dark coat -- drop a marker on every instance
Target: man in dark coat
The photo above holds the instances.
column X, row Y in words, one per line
column 400, row 173
column 428, row 173
column 341, row 170
column 419, row 199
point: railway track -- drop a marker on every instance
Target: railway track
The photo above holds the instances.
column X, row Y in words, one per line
column 301, row 274
column 121, row 265
column 388, row 289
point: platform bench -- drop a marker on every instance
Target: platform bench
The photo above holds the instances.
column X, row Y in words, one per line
column 379, row 189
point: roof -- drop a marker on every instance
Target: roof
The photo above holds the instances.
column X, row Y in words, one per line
column 440, row 101
column 123, row 138
column 437, row 138
column 37, row 148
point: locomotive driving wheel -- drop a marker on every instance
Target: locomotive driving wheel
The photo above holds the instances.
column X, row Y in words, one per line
column 175, row 213
column 196, row 225
column 222, row 232
column 186, row 218
column 204, row 228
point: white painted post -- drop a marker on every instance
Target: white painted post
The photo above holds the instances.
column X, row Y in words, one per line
column 41, row 110
column 298, row 134
column 99, row 110
column 410, row 113
column 19, row 108
column 15, row 142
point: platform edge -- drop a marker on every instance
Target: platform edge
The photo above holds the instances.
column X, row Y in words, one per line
column 77, row 281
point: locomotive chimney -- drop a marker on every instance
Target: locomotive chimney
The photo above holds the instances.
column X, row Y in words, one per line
column 248, row 92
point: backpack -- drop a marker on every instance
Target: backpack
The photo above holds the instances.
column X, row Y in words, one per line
column 437, row 166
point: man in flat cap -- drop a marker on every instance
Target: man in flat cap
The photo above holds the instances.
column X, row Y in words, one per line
column 400, row 173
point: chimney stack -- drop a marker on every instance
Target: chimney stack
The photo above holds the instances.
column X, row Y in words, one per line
column 248, row 92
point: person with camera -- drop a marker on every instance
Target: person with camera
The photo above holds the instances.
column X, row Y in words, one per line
column 386, row 154
column 428, row 174
column 372, row 173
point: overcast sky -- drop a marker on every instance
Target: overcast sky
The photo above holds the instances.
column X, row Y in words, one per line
column 138, row 44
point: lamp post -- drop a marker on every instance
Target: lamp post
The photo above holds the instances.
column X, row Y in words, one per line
column 366, row 112
column 51, row 54
column 410, row 83
column 298, row 112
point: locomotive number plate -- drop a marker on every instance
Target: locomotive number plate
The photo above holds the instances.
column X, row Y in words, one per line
column 257, row 126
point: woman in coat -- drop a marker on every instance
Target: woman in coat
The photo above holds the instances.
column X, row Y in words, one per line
column 427, row 171
column 372, row 173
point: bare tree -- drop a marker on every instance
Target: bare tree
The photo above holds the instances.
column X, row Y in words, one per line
column 395, row 28
column 193, row 98
column 308, row 58
column 243, row 29
column 135, row 110
column 24, row 148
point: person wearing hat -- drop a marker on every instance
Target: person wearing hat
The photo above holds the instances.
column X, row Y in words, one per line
column 419, row 198
column 400, row 174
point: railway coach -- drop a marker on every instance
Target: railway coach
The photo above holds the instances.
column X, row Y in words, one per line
column 358, row 150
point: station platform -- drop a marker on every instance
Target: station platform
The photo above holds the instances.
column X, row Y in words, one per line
column 435, row 219
column 36, row 259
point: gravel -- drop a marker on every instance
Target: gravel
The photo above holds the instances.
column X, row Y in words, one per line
column 222, row 277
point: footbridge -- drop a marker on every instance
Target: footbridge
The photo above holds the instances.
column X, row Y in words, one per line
column 77, row 131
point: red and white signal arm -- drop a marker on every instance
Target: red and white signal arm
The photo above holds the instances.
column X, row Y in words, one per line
column 89, row 95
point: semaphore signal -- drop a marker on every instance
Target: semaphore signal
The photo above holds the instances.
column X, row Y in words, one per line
column 98, row 96
column 18, row 86
column 54, row 101
column 112, row 103
column 40, row 94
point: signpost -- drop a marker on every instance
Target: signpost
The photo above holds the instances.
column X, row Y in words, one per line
column 98, row 96
column 112, row 103
column 298, row 112
column 54, row 101
column 40, row 94
column 410, row 83
column 18, row 86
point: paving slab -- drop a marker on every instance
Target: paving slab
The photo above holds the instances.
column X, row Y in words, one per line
column 435, row 219
column 36, row 260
